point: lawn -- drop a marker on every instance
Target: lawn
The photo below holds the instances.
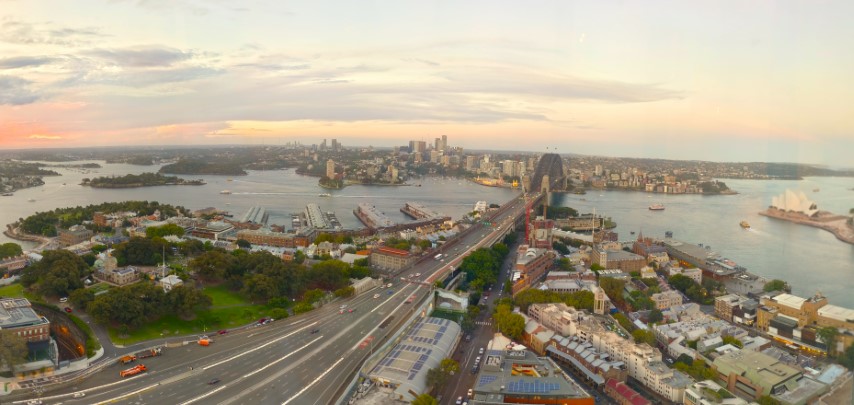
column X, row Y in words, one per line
column 222, row 296
column 16, row 290
column 228, row 310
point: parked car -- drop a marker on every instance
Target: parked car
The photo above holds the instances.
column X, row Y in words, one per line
column 68, row 309
column 459, row 401
column 63, row 299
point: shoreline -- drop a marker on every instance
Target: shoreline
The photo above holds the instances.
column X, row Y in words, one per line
column 836, row 224
column 143, row 185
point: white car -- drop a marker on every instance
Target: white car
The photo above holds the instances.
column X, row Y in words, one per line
column 376, row 295
column 417, row 274
column 459, row 401
column 389, row 285
column 470, row 392
column 79, row 394
column 63, row 299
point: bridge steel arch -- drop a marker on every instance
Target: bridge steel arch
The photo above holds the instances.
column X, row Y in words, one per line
column 550, row 169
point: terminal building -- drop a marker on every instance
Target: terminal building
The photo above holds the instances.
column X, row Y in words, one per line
column 404, row 368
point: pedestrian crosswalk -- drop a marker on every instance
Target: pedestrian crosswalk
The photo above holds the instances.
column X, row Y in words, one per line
column 483, row 323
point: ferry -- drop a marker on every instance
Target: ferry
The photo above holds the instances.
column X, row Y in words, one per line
column 324, row 195
column 225, row 192
column 744, row 225
column 656, row 207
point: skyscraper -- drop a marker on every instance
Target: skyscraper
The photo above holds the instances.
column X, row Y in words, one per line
column 444, row 143
column 330, row 169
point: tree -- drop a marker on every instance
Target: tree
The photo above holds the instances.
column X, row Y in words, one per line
column 655, row 315
column 828, row 335
column 436, row 378
column 10, row 250
column 449, row 366
column 13, row 349
column 260, row 287
column 776, row 285
column 57, row 274
column 185, row 301
column 732, row 340
column 847, row 358
column 510, row 324
column 643, row 336
column 243, row 244
column 164, row 230
column 424, row 399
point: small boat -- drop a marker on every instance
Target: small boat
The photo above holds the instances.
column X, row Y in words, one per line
column 632, row 232
column 225, row 192
column 656, row 207
column 324, row 195
column 31, row 200
column 63, row 184
column 229, row 180
column 815, row 190
column 7, row 194
column 744, row 225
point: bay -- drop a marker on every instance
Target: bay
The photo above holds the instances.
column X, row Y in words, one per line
column 809, row 258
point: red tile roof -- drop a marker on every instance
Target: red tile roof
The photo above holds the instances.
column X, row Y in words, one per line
column 392, row 251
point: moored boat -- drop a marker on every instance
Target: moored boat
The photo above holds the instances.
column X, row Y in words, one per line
column 225, row 192
column 656, row 207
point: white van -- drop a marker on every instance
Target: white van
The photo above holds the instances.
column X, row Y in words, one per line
column 63, row 299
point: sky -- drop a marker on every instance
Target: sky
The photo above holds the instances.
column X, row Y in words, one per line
column 708, row 80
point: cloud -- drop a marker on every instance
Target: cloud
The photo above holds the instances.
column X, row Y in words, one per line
column 19, row 32
column 16, row 91
column 144, row 56
column 44, row 137
column 25, row 61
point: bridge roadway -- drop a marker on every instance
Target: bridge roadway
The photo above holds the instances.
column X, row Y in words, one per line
column 284, row 362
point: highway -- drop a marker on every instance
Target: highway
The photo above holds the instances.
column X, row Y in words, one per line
column 305, row 359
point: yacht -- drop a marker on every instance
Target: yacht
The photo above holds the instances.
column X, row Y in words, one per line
column 656, row 207
column 324, row 195
column 225, row 192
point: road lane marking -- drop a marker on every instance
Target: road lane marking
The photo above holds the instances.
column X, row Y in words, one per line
column 128, row 394
column 203, row 396
column 389, row 298
column 258, row 348
column 283, row 358
column 316, row 380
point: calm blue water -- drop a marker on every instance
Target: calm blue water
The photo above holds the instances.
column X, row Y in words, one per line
column 809, row 258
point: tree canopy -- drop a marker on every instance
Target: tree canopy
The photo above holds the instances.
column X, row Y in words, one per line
column 57, row 274
column 10, row 250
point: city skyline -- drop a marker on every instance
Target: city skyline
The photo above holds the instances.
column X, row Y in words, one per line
column 723, row 81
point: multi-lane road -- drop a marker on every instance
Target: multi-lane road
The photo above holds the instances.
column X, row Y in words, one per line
column 306, row 359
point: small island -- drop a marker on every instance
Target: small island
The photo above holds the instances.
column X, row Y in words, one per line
column 193, row 166
column 139, row 180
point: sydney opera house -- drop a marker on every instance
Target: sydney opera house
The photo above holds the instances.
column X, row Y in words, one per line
column 791, row 201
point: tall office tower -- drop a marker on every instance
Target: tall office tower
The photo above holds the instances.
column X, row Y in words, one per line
column 330, row 169
column 437, row 144
column 444, row 143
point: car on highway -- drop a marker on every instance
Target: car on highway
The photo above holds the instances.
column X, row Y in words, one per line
column 350, row 310
column 417, row 274
column 68, row 309
column 222, row 331
column 213, row 381
column 79, row 395
column 480, row 351
column 340, row 311
column 389, row 285
column 469, row 393
column 376, row 295
column 459, row 401
column 313, row 331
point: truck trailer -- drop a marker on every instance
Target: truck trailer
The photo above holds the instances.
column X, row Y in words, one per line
column 133, row 370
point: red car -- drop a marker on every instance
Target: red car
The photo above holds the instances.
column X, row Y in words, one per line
column 68, row 309
column 350, row 310
column 222, row 332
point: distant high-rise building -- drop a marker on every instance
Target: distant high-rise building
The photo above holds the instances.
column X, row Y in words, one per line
column 323, row 145
column 417, row 146
column 330, row 169
column 597, row 171
column 444, row 142
column 334, row 145
column 471, row 163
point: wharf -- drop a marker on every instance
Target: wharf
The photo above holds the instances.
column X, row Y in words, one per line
column 838, row 225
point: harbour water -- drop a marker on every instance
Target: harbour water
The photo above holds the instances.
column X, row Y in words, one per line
column 809, row 258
